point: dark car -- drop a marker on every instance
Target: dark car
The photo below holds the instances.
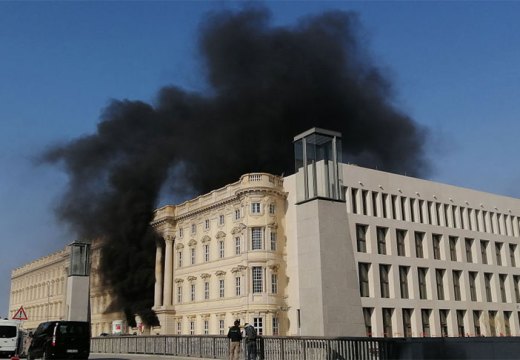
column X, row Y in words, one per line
column 60, row 340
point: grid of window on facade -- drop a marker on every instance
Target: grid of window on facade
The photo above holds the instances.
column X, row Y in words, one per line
column 470, row 277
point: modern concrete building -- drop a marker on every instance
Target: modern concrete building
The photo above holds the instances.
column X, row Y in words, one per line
column 332, row 250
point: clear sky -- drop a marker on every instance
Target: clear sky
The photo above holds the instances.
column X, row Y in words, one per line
column 455, row 67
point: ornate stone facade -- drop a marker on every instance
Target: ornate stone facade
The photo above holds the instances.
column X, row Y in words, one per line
column 220, row 259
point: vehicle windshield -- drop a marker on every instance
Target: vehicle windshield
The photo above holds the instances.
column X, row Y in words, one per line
column 7, row 331
column 72, row 329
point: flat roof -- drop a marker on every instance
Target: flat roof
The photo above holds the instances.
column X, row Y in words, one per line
column 319, row 131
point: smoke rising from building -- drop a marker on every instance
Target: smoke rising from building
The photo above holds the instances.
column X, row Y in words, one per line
column 266, row 84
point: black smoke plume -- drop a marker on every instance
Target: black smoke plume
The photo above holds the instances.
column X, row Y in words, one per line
column 266, row 84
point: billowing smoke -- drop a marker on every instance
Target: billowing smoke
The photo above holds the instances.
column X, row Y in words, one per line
column 266, row 84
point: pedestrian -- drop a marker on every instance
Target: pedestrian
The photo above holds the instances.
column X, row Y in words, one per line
column 235, row 335
column 250, row 333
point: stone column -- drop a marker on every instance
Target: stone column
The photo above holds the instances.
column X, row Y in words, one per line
column 158, row 297
column 168, row 272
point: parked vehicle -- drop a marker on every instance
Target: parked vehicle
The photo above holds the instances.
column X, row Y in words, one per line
column 60, row 340
column 10, row 337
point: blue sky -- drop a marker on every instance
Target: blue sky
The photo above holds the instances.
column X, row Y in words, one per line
column 455, row 67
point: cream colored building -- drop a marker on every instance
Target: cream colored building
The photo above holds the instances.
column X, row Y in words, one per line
column 338, row 249
column 40, row 287
column 332, row 250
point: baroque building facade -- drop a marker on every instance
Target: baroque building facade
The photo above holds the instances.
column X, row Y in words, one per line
column 222, row 258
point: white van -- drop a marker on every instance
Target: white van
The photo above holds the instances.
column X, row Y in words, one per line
column 10, row 338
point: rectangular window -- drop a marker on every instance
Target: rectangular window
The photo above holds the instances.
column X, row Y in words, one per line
column 274, row 284
column 407, row 322
column 507, row 322
column 384, row 271
column 206, row 327
column 181, row 232
column 237, row 245
column 237, row 214
column 492, row 323
column 483, row 251
column 425, row 320
column 361, row 232
column 456, row 284
column 221, row 288
column 460, row 322
column 381, row 240
column 206, row 290
column 273, row 240
column 193, row 228
column 453, row 248
column 221, row 327
column 387, row 322
column 354, row 201
column 487, row 284
column 421, row 206
column 238, row 286
column 258, row 324
column 363, row 279
column 476, row 322
column 472, row 285
column 393, row 200
column 364, row 196
column 255, row 208
column 192, row 255
column 443, row 314
column 179, row 258
column 401, row 236
column 192, row 292
column 256, row 238
column 206, row 224
column 179, row 327
column 221, row 252
column 206, row 252
column 422, row 282
column 221, row 219
column 179, row 294
column 192, row 327
column 403, row 281
column 429, row 212
column 276, row 326
column 419, row 236
column 469, row 253
column 272, row 209
column 512, row 251
column 374, row 203
column 436, row 238
column 383, row 207
column 412, row 212
column 258, row 282
column 502, row 280
column 439, row 277
column 498, row 253
column 516, row 279
column 367, row 316
column 403, row 209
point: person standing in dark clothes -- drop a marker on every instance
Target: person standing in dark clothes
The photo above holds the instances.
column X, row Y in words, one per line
column 251, row 337
column 235, row 335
